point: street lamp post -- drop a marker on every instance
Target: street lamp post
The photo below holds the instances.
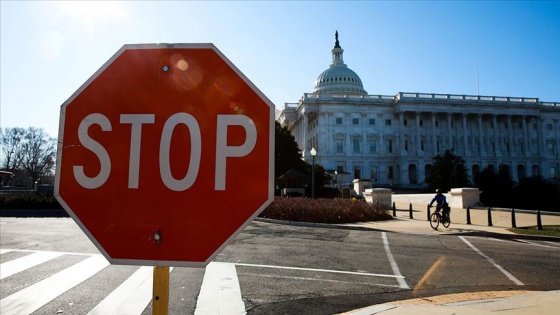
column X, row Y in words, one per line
column 313, row 153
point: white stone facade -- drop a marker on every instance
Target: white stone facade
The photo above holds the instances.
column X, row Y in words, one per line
column 391, row 140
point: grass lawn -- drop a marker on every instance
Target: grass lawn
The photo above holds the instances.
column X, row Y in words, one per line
column 548, row 230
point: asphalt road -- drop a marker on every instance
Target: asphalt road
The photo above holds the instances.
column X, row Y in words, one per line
column 277, row 269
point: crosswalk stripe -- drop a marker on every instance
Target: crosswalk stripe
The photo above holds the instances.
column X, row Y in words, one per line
column 32, row 298
column 220, row 292
column 20, row 264
column 131, row 297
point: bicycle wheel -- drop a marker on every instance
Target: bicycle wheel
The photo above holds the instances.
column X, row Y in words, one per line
column 434, row 220
column 446, row 221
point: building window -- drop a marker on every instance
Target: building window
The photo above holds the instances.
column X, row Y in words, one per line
column 372, row 121
column 389, row 146
column 387, row 122
column 437, row 125
column 339, row 145
column 550, row 147
column 372, row 146
column 339, row 120
column 549, row 127
column 357, row 172
column 422, row 145
column 340, row 169
column 421, row 123
column 406, row 145
column 356, row 145
column 355, row 121
column 374, row 173
column 390, row 172
column 405, row 122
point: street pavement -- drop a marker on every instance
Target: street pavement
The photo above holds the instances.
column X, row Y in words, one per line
column 480, row 303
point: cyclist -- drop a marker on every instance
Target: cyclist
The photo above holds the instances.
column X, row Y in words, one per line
column 441, row 204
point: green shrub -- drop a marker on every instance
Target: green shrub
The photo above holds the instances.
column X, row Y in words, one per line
column 324, row 210
column 28, row 200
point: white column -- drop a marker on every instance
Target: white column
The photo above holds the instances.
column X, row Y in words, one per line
column 510, row 136
column 465, row 136
column 418, row 136
column 449, row 132
column 400, row 139
column 304, row 134
column 525, row 137
column 481, row 137
column 497, row 141
column 540, row 137
column 434, row 135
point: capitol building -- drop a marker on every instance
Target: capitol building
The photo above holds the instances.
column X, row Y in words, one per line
column 389, row 140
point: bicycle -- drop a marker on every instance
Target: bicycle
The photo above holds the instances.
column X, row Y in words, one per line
column 437, row 217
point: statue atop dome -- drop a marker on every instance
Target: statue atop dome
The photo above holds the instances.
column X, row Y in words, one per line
column 336, row 43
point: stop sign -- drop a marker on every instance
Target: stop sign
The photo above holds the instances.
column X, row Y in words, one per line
column 165, row 154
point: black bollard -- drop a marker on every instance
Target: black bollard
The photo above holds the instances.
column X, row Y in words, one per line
column 410, row 210
column 394, row 210
column 513, row 224
column 468, row 215
column 428, row 210
column 489, row 217
column 539, row 222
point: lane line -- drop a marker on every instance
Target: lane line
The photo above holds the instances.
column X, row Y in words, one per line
column 20, row 264
column 322, row 280
column 220, row 292
column 32, row 298
column 45, row 251
column 536, row 244
column 393, row 263
column 428, row 273
column 321, row 270
column 505, row 272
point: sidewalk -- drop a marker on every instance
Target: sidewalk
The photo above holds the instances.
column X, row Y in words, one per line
column 501, row 222
column 479, row 303
column 482, row 303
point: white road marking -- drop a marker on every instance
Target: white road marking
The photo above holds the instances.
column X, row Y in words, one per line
column 3, row 251
column 131, row 297
column 393, row 263
column 536, row 244
column 320, row 279
column 32, row 298
column 505, row 272
column 20, row 264
column 322, row 270
column 220, row 292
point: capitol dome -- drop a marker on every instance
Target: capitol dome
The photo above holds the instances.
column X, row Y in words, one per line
column 338, row 78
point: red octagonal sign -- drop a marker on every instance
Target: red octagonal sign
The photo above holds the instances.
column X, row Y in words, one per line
column 165, row 154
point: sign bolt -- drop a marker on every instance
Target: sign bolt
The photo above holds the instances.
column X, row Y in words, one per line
column 157, row 236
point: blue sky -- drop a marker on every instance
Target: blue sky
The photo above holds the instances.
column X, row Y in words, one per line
column 49, row 49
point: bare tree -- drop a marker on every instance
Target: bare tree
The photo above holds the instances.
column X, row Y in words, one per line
column 30, row 150
column 12, row 153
